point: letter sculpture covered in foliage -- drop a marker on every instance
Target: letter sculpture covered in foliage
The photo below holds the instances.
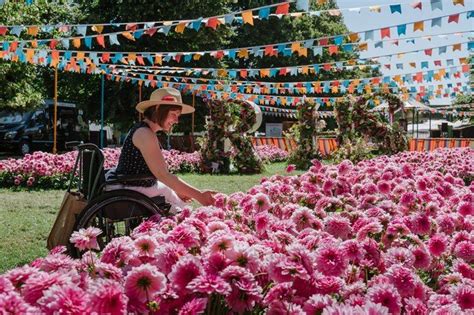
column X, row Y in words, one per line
column 229, row 120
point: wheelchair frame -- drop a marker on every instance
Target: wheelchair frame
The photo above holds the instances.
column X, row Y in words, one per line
column 115, row 212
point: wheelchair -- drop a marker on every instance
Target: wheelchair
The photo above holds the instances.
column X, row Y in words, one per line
column 115, row 212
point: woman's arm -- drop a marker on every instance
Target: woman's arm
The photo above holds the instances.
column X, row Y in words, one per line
column 146, row 141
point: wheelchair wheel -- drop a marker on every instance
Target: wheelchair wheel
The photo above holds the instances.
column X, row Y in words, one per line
column 116, row 213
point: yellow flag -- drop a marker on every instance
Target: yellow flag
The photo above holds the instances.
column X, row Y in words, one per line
column 295, row 46
column 247, row 17
column 222, row 72
column 418, row 26
column 305, row 69
column 377, row 101
column 180, row 27
column 98, row 28
column 354, row 37
column 132, row 57
column 303, row 51
column 33, row 30
column 264, row 72
column 80, row 55
column 456, row 47
column 128, row 35
column 197, row 56
column 413, row 64
column 320, row 2
column 375, row 8
column 442, row 72
column 243, row 53
column 158, row 60
column 335, row 89
column 368, row 89
column 363, row 46
column 76, row 42
column 461, row 2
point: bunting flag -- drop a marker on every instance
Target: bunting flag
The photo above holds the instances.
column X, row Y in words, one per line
column 102, row 59
column 133, row 32
column 178, row 26
column 285, row 49
column 282, row 71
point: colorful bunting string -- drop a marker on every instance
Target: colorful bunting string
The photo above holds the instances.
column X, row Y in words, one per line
column 347, row 42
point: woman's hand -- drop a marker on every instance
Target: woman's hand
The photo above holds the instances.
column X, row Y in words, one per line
column 184, row 198
column 207, row 197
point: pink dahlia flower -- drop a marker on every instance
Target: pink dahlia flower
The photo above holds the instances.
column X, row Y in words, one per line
column 108, row 297
column 194, row 307
column 86, row 238
column 144, row 281
column 437, row 245
column 331, row 261
column 386, row 295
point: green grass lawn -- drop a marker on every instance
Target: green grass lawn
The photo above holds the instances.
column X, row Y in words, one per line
column 27, row 217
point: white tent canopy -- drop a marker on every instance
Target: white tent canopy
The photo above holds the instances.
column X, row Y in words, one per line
column 410, row 104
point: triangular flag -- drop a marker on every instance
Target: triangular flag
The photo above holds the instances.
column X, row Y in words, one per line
column 461, row 2
column 213, row 23
column 417, row 5
column 247, row 17
column 128, row 35
column 283, row 8
column 436, row 22
column 100, row 40
column 429, row 52
column 333, row 49
column 295, row 46
column 436, row 4
column 33, row 30
column 396, row 8
column 456, row 47
column 180, row 27
column 243, row 53
column 402, row 29
column 453, row 18
column 354, row 37
column 98, row 28
column 418, row 26
column 385, row 32
column 76, row 42
column 113, row 39
column 3, row 30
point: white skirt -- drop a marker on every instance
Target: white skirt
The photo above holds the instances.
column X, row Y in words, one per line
column 159, row 189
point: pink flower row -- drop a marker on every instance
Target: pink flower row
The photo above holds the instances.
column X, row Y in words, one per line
column 42, row 164
column 389, row 235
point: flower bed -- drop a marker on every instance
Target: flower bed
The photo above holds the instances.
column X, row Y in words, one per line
column 271, row 154
column 388, row 235
column 46, row 170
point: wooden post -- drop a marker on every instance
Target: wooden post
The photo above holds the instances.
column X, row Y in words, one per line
column 55, row 119
column 192, row 122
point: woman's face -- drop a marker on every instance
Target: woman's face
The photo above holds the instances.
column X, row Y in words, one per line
column 171, row 120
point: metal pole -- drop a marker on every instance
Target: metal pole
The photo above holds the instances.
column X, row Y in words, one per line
column 55, row 119
column 413, row 124
column 430, row 125
column 417, row 123
column 102, row 93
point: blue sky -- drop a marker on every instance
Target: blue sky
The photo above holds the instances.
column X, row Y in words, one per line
column 366, row 20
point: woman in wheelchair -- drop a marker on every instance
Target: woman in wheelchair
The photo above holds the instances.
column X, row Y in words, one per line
column 141, row 152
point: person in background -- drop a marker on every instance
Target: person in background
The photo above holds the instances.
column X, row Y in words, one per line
column 141, row 152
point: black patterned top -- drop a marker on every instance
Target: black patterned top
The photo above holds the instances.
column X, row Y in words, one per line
column 131, row 161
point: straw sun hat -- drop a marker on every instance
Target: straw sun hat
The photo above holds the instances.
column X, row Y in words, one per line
column 168, row 96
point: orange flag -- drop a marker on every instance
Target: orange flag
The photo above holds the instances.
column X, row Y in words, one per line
column 76, row 42
column 418, row 26
column 247, row 17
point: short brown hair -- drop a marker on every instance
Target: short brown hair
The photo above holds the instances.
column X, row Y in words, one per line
column 158, row 114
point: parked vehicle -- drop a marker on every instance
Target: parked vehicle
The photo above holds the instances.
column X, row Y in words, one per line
column 25, row 132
